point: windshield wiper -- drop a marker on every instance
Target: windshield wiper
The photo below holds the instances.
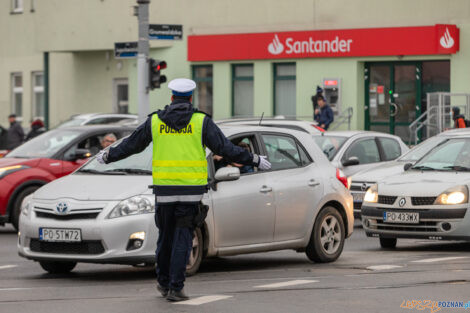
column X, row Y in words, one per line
column 91, row 171
column 423, row 168
column 135, row 171
column 458, row 168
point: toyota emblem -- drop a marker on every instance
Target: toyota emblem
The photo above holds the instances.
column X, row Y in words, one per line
column 364, row 187
column 62, row 208
column 402, row 202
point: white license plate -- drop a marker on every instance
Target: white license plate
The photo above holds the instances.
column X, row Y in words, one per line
column 358, row 197
column 60, row 234
column 401, row 217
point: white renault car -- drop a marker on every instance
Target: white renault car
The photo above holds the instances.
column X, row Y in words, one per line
column 105, row 213
column 429, row 200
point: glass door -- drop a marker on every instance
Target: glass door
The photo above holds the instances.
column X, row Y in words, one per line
column 392, row 97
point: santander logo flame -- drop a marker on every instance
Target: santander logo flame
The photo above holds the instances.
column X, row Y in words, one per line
column 447, row 41
column 275, row 47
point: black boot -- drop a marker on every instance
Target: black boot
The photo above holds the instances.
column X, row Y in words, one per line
column 174, row 295
column 162, row 290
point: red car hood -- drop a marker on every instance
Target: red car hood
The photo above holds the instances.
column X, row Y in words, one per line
column 4, row 162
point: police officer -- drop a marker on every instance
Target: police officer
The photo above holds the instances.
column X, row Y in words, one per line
column 180, row 134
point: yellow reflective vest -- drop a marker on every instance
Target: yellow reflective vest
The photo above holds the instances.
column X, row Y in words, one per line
column 179, row 157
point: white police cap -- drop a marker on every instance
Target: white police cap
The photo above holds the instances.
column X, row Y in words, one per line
column 182, row 86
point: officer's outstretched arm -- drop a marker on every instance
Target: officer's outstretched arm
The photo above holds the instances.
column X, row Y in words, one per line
column 133, row 144
column 215, row 140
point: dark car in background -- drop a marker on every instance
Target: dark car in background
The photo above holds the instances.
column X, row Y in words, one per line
column 45, row 158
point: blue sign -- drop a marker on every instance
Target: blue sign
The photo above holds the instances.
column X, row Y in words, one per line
column 166, row 31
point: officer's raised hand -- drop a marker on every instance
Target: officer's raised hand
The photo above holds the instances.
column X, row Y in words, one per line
column 102, row 156
column 264, row 164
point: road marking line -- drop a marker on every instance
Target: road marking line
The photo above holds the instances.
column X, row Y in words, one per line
column 287, row 283
column 203, row 300
column 7, row 266
column 8, row 289
column 440, row 259
column 382, row 267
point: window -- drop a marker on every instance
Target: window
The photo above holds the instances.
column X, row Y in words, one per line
column 391, row 148
column 17, row 6
column 283, row 152
column 365, row 150
column 17, row 93
column 93, row 143
column 242, row 90
column 202, row 99
column 38, row 95
column 247, row 143
column 284, row 89
column 330, row 145
column 121, row 95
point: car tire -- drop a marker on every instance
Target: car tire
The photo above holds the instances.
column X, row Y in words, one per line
column 388, row 243
column 16, row 211
column 56, row 267
column 195, row 258
column 328, row 235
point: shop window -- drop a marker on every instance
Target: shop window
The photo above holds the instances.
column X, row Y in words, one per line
column 37, row 82
column 17, row 6
column 242, row 90
column 202, row 99
column 284, row 89
column 17, row 94
column 121, row 95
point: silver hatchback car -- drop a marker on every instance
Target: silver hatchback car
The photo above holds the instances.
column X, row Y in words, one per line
column 104, row 213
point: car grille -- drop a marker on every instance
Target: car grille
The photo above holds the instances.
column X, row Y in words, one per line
column 357, row 206
column 387, row 199
column 359, row 186
column 84, row 247
column 421, row 227
column 89, row 213
column 423, row 200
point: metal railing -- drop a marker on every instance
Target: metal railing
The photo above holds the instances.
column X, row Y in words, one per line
column 343, row 117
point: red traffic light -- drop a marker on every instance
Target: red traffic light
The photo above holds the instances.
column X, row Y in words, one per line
column 155, row 77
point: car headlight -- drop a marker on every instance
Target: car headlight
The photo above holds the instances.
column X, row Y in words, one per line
column 26, row 205
column 133, row 206
column 455, row 195
column 4, row 171
column 372, row 194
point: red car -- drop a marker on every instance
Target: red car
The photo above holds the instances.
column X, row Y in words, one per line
column 49, row 156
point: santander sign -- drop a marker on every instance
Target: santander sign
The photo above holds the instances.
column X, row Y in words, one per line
column 392, row 41
column 309, row 46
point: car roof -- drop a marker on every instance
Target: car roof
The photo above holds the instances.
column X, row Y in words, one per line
column 352, row 133
column 231, row 129
column 91, row 128
column 455, row 132
column 92, row 115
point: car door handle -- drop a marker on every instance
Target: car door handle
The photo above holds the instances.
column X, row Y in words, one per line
column 312, row 183
column 265, row 189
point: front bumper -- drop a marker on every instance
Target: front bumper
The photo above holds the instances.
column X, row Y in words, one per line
column 103, row 240
column 435, row 222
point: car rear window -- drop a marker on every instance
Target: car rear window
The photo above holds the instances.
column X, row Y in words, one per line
column 330, row 145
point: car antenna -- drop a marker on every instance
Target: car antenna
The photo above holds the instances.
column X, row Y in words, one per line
column 261, row 119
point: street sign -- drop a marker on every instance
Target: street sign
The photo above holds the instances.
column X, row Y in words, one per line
column 166, row 31
column 125, row 50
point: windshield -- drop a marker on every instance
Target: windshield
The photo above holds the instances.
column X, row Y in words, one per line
column 420, row 150
column 453, row 155
column 45, row 145
column 72, row 122
column 137, row 164
column 329, row 144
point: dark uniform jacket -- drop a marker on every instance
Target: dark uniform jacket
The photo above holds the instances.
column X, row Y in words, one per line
column 177, row 115
column 15, row 136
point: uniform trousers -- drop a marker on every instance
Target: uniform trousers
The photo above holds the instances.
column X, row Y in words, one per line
column 175, row 242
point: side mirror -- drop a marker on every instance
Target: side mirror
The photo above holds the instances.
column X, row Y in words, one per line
column 227, row 174
column 351, row 161
column 81, row 154
column 407, row 166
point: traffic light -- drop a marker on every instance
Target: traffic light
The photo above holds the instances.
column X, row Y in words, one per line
column 155, row 77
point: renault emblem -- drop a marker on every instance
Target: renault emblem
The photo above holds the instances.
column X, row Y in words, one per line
column 62, row 208
column 364, row 187
column 402, row 202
